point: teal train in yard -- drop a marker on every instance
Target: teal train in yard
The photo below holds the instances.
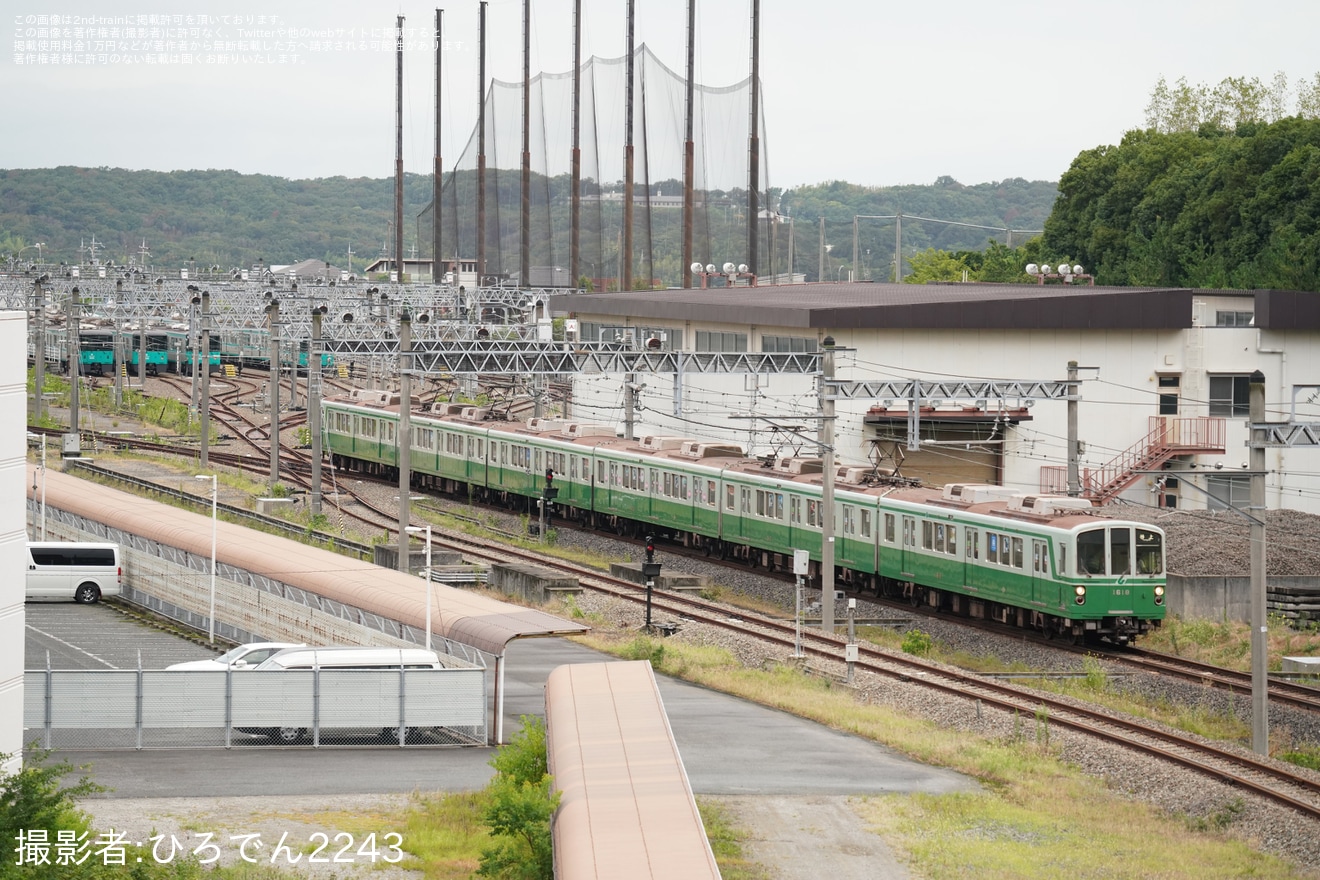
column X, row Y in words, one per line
column 1050, row 563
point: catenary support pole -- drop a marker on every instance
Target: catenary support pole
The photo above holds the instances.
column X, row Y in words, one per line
column 1260, row 719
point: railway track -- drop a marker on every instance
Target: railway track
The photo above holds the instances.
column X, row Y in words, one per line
column 1250, row 773
column 1263, row 777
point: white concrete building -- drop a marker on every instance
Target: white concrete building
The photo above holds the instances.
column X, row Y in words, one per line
column 14, row 475
column 1164, row 377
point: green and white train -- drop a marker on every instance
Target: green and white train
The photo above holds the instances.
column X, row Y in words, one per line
column 1050, row 563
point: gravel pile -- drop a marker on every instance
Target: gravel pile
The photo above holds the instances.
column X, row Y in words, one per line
column 1218, row 543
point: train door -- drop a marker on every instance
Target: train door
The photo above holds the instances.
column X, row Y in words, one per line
column 1041, row 583
column 909, row 546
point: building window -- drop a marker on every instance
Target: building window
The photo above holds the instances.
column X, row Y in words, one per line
column 1229, row 395
column 1169, row 386
column 709, row 340
column 1233, row 319
column 787, row 344
column 1227, row 491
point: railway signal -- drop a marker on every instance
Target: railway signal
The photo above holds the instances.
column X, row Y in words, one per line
column 651, row 571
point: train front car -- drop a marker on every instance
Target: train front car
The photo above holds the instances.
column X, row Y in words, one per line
column 1115, row 571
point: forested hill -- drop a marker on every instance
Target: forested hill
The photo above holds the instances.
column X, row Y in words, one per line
column 1214, row 207
column 232, row 219
column 213, row 217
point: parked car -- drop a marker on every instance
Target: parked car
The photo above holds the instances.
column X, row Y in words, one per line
column 243, row 657
column 73, row 570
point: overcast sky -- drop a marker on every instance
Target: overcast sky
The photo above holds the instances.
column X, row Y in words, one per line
column 857, row 90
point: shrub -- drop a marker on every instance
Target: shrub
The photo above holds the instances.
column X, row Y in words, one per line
column 917, row 642
column 522, row 801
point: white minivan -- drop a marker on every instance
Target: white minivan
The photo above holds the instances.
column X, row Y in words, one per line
column 73, row 570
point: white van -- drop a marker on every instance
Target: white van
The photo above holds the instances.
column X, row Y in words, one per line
column 73, row 570
column 339, row 659
column 349, row 657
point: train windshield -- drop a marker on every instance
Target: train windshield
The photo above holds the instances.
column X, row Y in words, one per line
column 1150, row 552
column 1091, row 552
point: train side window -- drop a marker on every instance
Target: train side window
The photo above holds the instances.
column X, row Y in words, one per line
column 866, row 523
column 1005, row 550
column 686, row 494
column 1017, row 552
column 889, row 528
column 991, row 547
column 952, row 543
column 572, row 467
column 600, row 472
column 794, row 509
column 939, row 538
column 728, row 497
column 779, row 505
column 710, row 493
column 746, row 500
column 927, row 534
column 655, row 482
column 813, row 512
column 973, row 543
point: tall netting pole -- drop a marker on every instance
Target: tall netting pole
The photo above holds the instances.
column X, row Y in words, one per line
column 437, row 181
column 754, row 142
column 625, row 258
column 481, row 144
column 688, row 151
column 525, row 214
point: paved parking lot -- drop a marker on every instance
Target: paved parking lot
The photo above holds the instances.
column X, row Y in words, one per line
column 100, row 637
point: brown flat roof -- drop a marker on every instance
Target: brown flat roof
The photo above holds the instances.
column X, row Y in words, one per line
column 939, row 306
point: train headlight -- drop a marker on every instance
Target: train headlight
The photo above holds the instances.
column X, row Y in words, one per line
column 1159, row 595
column 1081, row 594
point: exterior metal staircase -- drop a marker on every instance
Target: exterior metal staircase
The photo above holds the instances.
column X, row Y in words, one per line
column 1168, row 436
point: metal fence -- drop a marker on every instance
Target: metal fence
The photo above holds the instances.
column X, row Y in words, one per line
column 139, row 709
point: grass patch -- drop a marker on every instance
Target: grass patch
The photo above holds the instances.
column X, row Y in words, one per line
column 726, row 842
column 1228, row 643
column 1037, row 817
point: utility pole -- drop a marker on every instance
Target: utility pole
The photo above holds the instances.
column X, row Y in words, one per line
column 827, row 485
column 314, row 406
column 39, row 368
column 1074, row 481
column 1260, row 719
column 629, row 404
column 898, row 248
column 205, row 367
column 273, row 311
column 821, row 268
column 405, row 433
column 74, row 349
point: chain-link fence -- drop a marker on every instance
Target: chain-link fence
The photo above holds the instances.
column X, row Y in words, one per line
column 136, row 709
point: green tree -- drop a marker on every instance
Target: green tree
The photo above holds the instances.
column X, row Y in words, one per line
column 522, row 802
column 933, row 265
column 36, row 798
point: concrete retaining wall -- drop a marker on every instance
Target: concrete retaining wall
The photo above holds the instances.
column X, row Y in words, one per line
column 632, row 571
column 1223, row 598
column 530, row 582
